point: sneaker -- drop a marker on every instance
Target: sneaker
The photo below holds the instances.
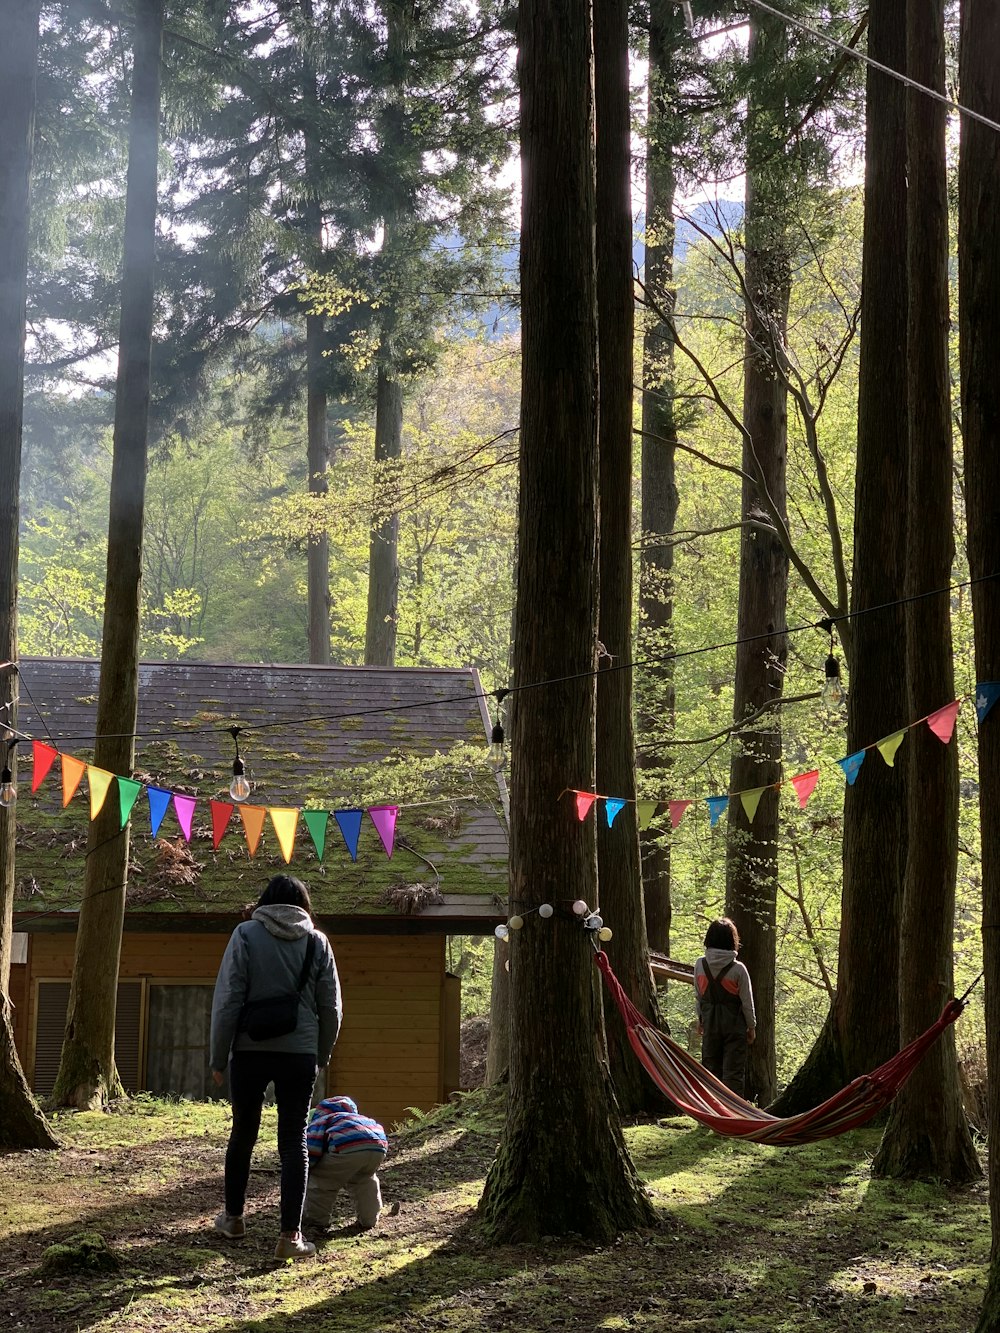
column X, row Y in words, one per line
column 233, row 1228
column 294, row 1247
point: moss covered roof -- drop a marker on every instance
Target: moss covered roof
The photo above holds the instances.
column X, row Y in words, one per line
column 311, row 736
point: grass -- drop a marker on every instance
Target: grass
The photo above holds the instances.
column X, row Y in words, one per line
column 748, row 1238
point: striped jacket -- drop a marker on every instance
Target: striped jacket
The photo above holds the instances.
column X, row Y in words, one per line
column 336, row 1126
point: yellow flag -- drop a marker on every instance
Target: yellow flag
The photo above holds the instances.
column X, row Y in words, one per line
column 646, row 810
column 253, row 817
column 751, row 800
column 887, row 748
column 72, row 771
column 98, row 780
column 285, row 823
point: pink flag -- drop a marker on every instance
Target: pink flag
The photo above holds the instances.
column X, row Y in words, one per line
column 384, row 819
column 584, row 800
column 184, row 805
column 677, row 809
column 805, row 785
column 942, row 723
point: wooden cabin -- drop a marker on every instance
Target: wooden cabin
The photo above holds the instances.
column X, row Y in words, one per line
column 326, row 738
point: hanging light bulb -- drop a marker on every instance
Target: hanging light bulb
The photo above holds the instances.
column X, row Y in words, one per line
column 8, row 791
column 496, row 755
column 833, row 691
column 239, row 788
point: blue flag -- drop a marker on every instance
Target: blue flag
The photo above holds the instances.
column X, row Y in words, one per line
column 716, row 807
column 159, row 804
column 349, row 823
column 987, row 693
column 611, row 807
column 852, row 766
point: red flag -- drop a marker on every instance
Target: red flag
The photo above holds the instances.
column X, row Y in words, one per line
column 45, row 756
column 221, row 812
column 584, row 800
column 805, row 785
column 942, row 723
column 677, row 809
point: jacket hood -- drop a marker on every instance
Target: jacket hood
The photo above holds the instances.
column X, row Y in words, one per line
column 342, row 1104
column 283, row 920
column 719, row 957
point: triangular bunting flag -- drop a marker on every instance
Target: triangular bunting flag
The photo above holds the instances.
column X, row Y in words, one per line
column 852, row 766
column 72, row 771
column 159, row 803
column 887, row 748
column 128, row 794
column 384, row 819
column 646, row 810
column 942, row 723
column 584, row 800
column 253, row 817
column 987, row 693
column 750, row 801
column 677, row 809
column 285, row 823
column 612, row 806
column 221, row 814
column 98, row 780
column 716, row 806
column 316, row 822
column 349, row 823
column 184, row 805
column 805, row 785
column 44, row 756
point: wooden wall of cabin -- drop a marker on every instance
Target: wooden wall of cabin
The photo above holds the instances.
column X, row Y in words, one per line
column 399, row 1038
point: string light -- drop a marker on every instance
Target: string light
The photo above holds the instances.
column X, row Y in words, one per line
column 239, row 788
column 545, row 910
column 833, row 691
column 496, row 755
column 8, row 791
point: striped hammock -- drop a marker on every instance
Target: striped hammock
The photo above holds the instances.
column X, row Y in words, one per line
column 699, row 1094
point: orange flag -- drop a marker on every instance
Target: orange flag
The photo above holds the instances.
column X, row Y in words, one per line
column 72, row 771
column 253, row 817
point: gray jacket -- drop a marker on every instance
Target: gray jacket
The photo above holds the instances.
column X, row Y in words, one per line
column 737, row 976
column 264, row 957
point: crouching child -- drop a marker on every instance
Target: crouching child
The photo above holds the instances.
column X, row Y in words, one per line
column 345, row 1152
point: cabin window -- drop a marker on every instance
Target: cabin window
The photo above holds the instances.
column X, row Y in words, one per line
column 50, row 1026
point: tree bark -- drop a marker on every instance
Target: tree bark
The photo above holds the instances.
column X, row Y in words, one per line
column 383, row 549
column 979, row 331
column 498, row 1046
column 562, row 1165
column 317, row 447
column 619, row 876
column 659, row 484
column 752, row 848
column 21, row 1123
column 874, row 853
column 928, row 1132
column 87, row 1074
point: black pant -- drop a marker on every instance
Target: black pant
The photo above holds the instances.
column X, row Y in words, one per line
column 724, row 1045
column 249, row 1074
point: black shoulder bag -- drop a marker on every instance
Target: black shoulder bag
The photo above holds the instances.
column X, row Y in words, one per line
column 276, row 1015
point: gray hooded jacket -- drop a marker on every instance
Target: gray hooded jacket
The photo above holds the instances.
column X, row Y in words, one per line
column 717, row 960
column 264, row 958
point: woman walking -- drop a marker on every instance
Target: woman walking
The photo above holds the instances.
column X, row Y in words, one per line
column 275, row 1018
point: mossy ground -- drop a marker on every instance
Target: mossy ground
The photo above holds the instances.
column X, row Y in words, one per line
column 748, row 1239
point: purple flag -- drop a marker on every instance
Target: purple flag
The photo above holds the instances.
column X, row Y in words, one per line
column 384, row 819
column 184, row 805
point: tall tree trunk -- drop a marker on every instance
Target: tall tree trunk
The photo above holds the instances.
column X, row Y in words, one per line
column 498, row 1046
column 928, row 1132
column 21, row 1123
column 383, row 548
column 979, row 326
column 619, row 876
column 317, row 447
column 562, row 1165
column 874, row 854
column 87, row 1074
column 752, row 847
column 659, row 483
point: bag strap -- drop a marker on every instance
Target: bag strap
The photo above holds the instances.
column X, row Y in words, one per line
column 715, row 983
column 310, row 954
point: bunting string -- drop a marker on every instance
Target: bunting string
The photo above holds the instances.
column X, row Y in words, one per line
column 941, row 723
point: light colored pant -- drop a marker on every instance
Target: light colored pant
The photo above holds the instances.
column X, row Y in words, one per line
column 351, row 1171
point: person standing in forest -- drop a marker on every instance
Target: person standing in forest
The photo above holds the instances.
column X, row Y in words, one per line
column 727, row 1023
column 275, row 1018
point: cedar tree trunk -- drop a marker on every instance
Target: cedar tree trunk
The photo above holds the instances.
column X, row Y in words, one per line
column 562, row 1166
column 383, row 549
column 87, row 1074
